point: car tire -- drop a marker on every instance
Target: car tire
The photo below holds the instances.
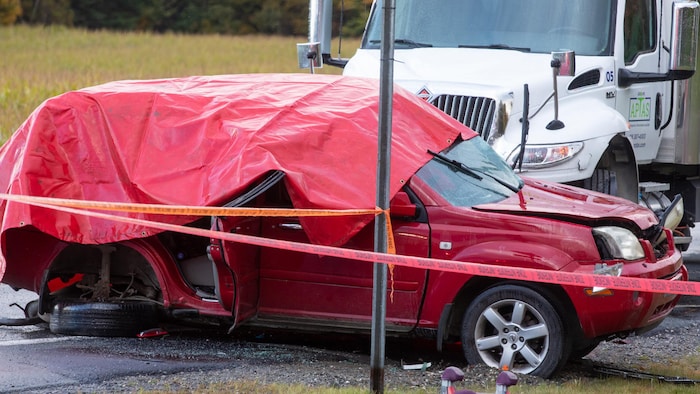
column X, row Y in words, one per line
column 531, row 341
column 583, row 349
column 103, row 319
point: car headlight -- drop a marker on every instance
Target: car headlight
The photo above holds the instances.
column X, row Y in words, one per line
column 618, row 243
column 670, row 218
column 673, row 215
column 537, row 156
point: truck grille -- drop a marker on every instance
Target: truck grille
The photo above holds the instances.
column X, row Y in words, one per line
column 476, row 112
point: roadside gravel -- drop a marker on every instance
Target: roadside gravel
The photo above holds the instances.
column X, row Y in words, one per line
column 678, row 337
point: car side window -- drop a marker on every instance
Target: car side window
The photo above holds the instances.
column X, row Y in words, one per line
column 639, row 28
column 276, row 197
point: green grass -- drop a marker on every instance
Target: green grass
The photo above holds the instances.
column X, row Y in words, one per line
column 581, row 386
column 38, row 63
column 614, row 385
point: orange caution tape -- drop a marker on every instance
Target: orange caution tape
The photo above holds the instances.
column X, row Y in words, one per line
column 523, row 274
column 185, row 210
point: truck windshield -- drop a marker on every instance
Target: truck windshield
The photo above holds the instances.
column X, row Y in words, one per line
column 541, row 26
column 470, row 173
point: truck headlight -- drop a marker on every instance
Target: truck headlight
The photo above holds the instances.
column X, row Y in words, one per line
column 537, row 156
column 617, row 243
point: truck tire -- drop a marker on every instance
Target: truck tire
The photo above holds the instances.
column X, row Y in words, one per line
column 603, row 181
column 616, row 173
column 514, row 326
column 104, row 319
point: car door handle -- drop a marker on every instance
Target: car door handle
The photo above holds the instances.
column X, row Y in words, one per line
column 290, row 226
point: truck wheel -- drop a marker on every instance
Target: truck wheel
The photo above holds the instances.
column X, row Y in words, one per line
column 602, row 181
column 514, row 326
column 616, row 172
column 103, row 319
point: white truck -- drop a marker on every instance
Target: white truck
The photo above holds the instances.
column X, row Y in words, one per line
column 599, row 92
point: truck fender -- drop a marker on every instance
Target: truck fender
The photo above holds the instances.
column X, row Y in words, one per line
column 607, row 162
column 584, row 118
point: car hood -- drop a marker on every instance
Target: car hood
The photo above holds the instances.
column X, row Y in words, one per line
column 201, row 141
column 573, row 204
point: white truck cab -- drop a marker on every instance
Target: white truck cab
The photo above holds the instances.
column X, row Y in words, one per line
column 605, row 85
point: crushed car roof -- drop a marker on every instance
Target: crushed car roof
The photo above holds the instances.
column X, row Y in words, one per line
column 202, row 140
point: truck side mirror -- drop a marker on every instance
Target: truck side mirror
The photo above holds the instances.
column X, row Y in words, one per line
column 683, row 48
column 309, row 55
column 684, row 40
column 566, row 63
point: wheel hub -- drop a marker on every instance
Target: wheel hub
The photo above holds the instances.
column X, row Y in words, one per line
column 511, row 339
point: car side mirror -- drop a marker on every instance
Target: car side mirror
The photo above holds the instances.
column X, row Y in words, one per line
column 401, row 205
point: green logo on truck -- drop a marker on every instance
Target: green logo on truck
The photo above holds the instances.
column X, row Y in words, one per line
column 640, row 109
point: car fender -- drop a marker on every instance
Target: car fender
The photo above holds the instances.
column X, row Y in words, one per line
column 445, row 287
column 176, row 293
column 28, row 244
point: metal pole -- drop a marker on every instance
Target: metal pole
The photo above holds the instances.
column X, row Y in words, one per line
column 386, row 93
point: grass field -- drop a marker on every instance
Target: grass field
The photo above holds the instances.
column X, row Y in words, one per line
column 38, row 63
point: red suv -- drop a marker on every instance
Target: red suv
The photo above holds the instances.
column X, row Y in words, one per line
column 310, row 142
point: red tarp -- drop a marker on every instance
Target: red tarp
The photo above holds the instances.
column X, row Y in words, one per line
column 201, row 140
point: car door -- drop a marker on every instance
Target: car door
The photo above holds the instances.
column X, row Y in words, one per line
column 236, row 265
column 323, row 290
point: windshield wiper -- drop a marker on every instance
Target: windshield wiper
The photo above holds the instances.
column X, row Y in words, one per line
column 404, row 41
column 496, row 46
column 456, row 165
column 472, row 172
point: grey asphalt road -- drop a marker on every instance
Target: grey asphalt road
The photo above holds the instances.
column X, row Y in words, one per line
column 691, row 257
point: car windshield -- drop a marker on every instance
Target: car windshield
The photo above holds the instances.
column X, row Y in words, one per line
column 541, row 26
column 470, row 173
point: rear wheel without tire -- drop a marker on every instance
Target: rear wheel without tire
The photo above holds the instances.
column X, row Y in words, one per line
column 514, row 326
column 104, row 319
